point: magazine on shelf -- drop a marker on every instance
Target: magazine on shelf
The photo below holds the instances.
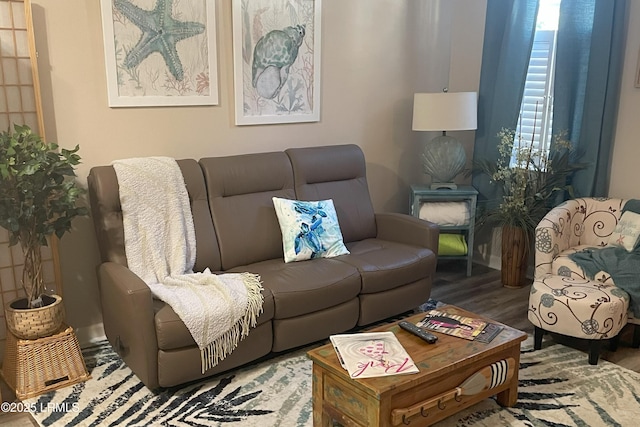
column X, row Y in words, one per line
column 374, row 354
column 452, row 324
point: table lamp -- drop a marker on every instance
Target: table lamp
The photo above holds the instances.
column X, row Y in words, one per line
column 444, row 157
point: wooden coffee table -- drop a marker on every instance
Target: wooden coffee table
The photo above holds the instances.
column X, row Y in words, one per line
column 426, row 397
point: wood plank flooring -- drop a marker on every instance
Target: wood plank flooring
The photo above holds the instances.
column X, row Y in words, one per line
column 481, row 293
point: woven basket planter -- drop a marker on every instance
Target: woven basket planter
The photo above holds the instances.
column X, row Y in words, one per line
column 33, row 323
column 33, row 367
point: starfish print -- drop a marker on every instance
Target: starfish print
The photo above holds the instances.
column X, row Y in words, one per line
column 160, row 33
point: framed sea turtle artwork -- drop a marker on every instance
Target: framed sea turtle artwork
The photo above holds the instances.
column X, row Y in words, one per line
column 160, row 52
column 276, row 58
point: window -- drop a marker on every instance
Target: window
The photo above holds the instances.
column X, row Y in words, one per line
column 536, row 111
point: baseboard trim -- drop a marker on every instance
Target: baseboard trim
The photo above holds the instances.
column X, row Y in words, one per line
column 495, row 262
column 89, row 335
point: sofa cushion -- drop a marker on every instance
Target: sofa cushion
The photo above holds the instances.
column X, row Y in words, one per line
column 240, row 189
column 336, row 172
column 301, row 288
column 107, row 215
column 309, row 229
column 172, row 333
column 386, row 265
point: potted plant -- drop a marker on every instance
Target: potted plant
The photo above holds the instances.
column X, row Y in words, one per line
column 38, row 196
column 528, row 180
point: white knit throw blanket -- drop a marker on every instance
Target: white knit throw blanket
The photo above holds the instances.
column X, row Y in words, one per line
column 160, row 244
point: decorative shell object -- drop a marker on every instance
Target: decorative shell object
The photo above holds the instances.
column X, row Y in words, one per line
column 443, row 158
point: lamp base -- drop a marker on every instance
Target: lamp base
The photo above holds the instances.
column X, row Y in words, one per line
column 443, row 158
column 443, row 186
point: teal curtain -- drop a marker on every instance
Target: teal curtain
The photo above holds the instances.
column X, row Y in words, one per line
column 589, row 59
column 508, row 37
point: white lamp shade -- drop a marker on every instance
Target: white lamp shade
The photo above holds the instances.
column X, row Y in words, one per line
column 445, row 111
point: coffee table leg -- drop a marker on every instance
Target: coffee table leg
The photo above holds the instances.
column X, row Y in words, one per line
column 509, row 397
column 320, row 417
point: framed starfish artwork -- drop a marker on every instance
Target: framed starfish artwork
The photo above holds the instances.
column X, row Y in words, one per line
column 276, row 58
column 160, row 52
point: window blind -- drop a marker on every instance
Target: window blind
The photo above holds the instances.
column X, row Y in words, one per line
column 535, row 116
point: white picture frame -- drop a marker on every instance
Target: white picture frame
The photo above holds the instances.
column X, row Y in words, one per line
column 287, row 93
column 637, row 79
column 180, row 72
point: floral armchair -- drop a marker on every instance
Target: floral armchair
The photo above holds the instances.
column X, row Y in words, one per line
column 563, row 299
column 571, row 227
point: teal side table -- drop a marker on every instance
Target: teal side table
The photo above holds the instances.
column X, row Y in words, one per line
column 423, row 194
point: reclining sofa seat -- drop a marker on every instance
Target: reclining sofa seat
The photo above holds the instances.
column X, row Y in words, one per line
column 146, row 333
column 311, row 299
column 388, row 271
column 388, row 250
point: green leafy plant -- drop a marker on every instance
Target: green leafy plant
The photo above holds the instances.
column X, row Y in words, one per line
column 38, row 196
column 529, row 180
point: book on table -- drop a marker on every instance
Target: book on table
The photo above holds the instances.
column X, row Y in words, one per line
column 373, row 354
column 452, row 324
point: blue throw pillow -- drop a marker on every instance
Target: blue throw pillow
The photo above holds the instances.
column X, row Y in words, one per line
column 309, row 229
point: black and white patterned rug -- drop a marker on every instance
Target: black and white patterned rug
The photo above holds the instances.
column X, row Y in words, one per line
column 557, row 388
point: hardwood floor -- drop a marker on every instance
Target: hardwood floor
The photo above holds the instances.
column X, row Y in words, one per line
column 484, row 294
column 481, row 293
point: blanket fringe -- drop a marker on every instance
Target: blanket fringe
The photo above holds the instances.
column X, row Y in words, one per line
column 215, row 352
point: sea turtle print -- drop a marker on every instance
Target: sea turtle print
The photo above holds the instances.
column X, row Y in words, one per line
column 273, row 55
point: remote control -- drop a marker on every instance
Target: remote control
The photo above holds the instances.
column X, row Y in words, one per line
column 410, row 327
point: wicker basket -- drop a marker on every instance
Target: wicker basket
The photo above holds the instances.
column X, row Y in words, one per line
column 30, row 324
column 32, row 367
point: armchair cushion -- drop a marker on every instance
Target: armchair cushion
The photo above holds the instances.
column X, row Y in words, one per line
column 577, row 307
column 564, row 266
column 623, row 266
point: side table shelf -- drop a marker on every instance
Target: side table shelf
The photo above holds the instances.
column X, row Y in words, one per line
column 464, row 193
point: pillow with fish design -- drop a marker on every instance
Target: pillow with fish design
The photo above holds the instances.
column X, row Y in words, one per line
column 309, row 229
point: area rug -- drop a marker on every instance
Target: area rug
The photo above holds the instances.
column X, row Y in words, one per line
column 557, row 388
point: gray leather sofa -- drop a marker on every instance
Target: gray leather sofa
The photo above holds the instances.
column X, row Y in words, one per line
column 389, row 270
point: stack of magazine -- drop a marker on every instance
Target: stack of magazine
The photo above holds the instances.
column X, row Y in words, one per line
column 459, row 326
column 374, row 354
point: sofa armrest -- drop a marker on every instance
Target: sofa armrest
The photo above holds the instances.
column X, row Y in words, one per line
column 128, row 317
column 408, row 229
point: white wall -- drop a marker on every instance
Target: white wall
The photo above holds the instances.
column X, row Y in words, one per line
column 626, row 149
column 375, row 55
